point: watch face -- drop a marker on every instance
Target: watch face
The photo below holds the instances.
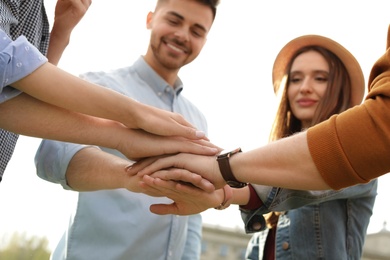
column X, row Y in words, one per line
column 229, row 153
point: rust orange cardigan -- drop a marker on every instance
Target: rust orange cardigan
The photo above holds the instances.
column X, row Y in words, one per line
column 354, row 146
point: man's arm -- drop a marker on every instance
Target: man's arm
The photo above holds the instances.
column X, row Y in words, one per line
column 98, row 163
column 83, row 168
column 88, row 168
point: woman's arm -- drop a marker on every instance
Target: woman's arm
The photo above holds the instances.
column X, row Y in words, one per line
column 28, row 116
column 283, row 163
column 67, row 15
column 27, row 70
column 54, row 86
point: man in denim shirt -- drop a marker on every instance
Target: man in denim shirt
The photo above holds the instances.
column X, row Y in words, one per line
column 117, row 224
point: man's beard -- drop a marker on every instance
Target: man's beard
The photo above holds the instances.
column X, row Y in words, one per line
column 172, row 62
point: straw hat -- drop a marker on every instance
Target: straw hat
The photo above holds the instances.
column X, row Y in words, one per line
column 349, row 61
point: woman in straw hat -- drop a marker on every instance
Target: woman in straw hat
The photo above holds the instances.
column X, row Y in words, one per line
column 315, row 78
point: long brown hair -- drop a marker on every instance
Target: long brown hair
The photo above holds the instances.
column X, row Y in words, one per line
column 336, row 98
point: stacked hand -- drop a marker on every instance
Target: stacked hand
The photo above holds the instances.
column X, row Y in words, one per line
column 192, row 181
column 187, row 199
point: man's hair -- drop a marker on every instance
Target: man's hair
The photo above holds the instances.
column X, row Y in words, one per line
column 210, row 3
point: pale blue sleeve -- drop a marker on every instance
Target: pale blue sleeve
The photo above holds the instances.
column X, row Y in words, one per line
column 52, row 159
column 192, row 248
column 18, row 59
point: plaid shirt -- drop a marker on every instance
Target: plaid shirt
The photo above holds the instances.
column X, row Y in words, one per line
column 28, row 18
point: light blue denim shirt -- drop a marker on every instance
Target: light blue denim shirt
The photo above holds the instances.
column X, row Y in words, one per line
column 18, row 59
column 315, row 224
column 117, row 224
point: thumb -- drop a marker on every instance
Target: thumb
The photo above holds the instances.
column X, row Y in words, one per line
column 163, row 209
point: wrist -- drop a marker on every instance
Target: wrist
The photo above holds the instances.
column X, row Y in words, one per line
column 226, row 170
column 227, row 198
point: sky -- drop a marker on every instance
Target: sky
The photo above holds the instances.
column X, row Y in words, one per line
column 230, row 82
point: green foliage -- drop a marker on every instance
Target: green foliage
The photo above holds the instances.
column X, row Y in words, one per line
column 22, row 247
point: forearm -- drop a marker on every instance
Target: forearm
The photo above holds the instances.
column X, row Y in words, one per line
column 92, row 169
column 28, row 116
column 241, row 196
column 284, row 163
column 57, row 46
column 55, row 86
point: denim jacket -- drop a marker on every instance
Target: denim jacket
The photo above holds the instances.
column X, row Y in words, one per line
column 315, row 224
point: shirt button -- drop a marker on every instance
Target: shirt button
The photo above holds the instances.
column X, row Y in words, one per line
column 285, row 245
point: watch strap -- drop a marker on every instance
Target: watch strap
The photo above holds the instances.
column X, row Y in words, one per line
column 226, row 171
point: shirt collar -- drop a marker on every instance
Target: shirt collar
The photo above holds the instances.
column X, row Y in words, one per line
column 155, row 81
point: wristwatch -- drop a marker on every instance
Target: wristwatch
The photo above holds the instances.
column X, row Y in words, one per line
column 226, row 171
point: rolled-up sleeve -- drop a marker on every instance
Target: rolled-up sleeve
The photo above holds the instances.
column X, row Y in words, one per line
column 52, row 159
column 278, row 199
column 18, row 59
column 353, row 147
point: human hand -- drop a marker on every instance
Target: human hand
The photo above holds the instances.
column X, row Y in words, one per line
column 137, row 144
column 68, row 13
column 177, row 175
column 161, row 122
column 187, row 199
column 177, row 167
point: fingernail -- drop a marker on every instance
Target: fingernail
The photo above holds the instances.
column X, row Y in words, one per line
column 200, row 134
column 215, row 150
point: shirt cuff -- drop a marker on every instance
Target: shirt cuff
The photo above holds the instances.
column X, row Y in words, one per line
column 18, row 59
column 254, row 200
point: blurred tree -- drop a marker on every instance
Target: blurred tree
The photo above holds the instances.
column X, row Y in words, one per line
column 22, row 247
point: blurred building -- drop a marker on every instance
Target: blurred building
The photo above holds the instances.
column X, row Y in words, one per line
column 230, row 244
column 377, row 245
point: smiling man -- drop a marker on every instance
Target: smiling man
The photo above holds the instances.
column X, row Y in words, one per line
column 117, row 224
